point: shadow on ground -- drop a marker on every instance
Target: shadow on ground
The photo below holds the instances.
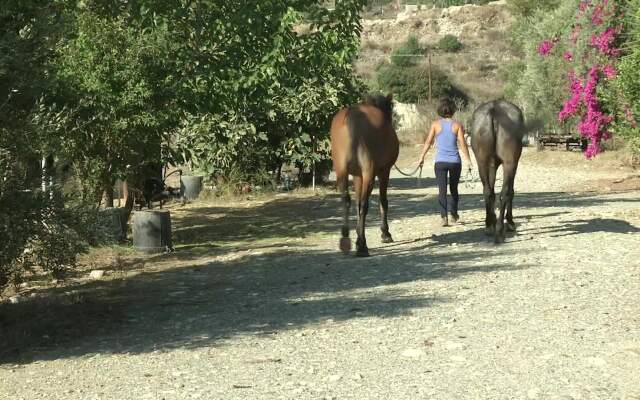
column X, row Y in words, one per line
column 193, row 306
column 295, row 218
column 268, row 288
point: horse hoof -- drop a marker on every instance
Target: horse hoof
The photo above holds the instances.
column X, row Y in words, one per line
column 499, row 239
column 345, row 244
column 387, row 238
column 489, row 231
column 362, row 252
column 511, row 226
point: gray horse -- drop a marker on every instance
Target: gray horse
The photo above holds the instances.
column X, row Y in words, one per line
column 497, row 129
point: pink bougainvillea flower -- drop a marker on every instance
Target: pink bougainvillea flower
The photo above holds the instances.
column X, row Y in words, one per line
column 604, row 42
column 571, row 106
column 597, row 17
column 629, row 115
column 609, row 71
column 584, row 4
column 592, row 150
column 545, row 47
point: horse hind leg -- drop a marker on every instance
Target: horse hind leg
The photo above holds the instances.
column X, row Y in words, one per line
column 366, row 186
column 506, row 198
column 343, row 187
column 383, row 179
column 511, row 225
column 487, row 170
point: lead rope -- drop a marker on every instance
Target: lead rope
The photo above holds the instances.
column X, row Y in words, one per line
column 419, row 177
column 412, row 173
column 470, row 179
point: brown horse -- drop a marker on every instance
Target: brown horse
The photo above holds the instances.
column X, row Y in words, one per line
column 364, row 145
column 496, row 138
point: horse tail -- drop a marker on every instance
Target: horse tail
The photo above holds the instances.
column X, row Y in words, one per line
column 350, row 121
column 494, row 127
column 351, row 117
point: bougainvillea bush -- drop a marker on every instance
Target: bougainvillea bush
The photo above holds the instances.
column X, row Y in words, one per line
column 624, row 96
column 592, row 48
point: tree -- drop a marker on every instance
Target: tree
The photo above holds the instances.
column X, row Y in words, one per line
column 286, row 82
column 623, row 96
column 109, row 75
column 538, row 84
column 410, row 84
column 35, row 227
column 591, row 48
column 408, row 53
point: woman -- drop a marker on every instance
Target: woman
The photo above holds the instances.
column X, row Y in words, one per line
column 449, row 138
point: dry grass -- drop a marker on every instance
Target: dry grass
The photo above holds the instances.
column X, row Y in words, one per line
column 476, row 69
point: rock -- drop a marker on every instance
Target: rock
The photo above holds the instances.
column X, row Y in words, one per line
column 15, row 299
column 335, row 378
column 412, row 353
column 453, row 345
column 96, row 274
column 596, row 361
column 358, row 377
column 533, row 393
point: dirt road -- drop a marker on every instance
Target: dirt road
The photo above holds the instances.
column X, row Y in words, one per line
column 257, row 303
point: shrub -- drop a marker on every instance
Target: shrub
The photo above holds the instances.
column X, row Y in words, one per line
column 449, row 44
column 411, row 85
column 42, row 234
column 408, row 53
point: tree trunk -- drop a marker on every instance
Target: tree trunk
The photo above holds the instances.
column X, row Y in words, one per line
column 108, row 196
column 126, row 210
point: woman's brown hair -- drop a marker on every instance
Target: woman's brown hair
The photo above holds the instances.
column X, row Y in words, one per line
column 446, row 108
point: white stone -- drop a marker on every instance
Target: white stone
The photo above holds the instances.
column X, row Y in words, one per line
column 96, row 274
column 596, row 361
column 533, row 393
column 412, row 353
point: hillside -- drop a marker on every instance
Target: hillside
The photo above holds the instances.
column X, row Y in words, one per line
column 478, row 69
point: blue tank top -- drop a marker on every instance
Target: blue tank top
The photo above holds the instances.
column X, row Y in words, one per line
column 447, row 144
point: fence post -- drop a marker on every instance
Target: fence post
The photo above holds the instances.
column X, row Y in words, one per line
column 429, row 69
column 313, row 162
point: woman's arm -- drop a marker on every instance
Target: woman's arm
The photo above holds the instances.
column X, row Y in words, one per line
column 427, row 143
column 462, row 143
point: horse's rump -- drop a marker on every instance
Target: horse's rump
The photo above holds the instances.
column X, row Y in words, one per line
column 363, row 137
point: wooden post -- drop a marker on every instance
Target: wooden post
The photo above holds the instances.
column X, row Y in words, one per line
column 313, row 163
column 43, row 171
column 429, row 69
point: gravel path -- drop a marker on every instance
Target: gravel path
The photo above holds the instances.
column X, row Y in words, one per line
column 440, row 314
